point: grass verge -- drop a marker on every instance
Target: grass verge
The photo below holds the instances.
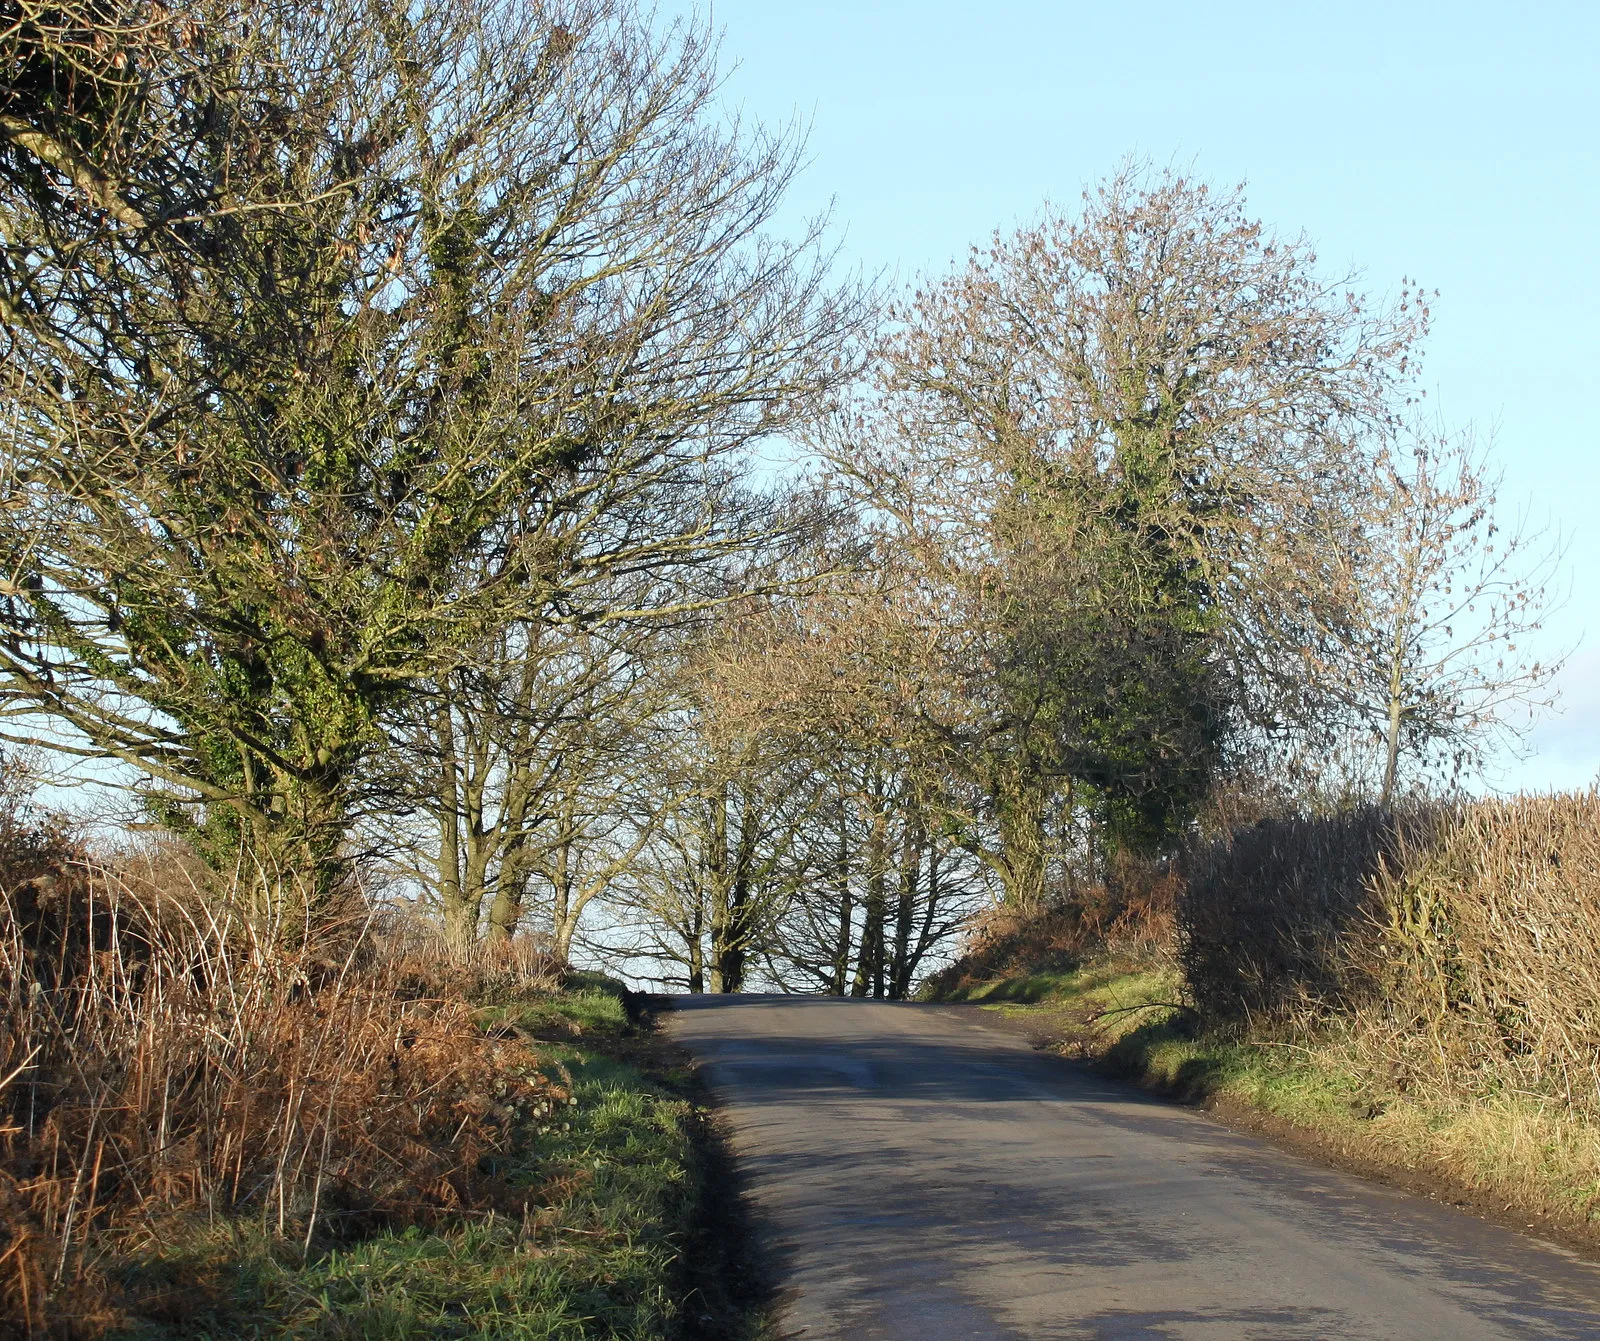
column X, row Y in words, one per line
column 622, row 1234
column 1513, row 1157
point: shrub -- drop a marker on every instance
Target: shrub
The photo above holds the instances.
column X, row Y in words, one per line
column 1458, row 946
column 158, row 1058
column 1277, row 919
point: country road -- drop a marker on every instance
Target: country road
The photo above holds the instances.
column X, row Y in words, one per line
column 924, row 1175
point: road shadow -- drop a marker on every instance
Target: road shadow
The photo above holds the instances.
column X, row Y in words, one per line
column 902, row 1150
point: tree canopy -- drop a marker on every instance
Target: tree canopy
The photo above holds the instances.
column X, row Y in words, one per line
column 382, row 494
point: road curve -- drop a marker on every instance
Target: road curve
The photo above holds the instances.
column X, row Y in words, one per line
column 925, row 1176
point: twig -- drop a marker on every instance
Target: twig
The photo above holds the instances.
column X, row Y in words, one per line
column 26, row 1063
column 1144, row 1005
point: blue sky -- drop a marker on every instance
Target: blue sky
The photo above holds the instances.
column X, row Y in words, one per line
column 1454, row 144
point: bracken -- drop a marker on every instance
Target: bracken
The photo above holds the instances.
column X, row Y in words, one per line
column 160, row 1058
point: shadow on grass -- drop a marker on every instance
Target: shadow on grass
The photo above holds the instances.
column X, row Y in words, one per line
column 1028, row 991
column 1195, row 1080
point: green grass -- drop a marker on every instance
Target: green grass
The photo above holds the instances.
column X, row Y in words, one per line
column 1508, row 1152
column 613, row 1183
column 1028, row 988
column 1288, row 1081
column 585, row 1008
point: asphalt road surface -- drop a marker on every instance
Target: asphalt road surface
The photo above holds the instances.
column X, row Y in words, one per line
column 923, row 1175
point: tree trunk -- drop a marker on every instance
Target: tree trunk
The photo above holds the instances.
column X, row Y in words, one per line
column 1391, row 764
column 905, row 911
column 1020, row 814
column 731, row 953
column 505, row 912
column 563, row 917
column 299, row 874
column 930, row 910
column 717, row 876
column 732, row 934
column 845, row 903
column 510, row 893
column 869, row 964
column 460, row 922
column 561, row 939
column 697, row 949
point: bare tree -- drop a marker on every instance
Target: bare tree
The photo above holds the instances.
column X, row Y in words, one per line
column 886, row 888
column 873, row 844
column 506, row 774
column 1437, row 657
column 724, row 855
column 532, row 762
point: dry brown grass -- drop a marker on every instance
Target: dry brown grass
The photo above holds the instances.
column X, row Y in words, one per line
column 1490, row 951
column 161, row 1059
